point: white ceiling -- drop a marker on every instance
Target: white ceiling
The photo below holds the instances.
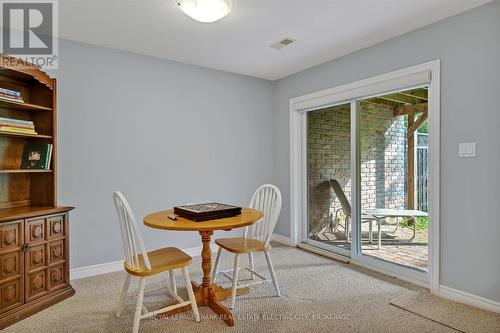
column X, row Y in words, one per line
column 239, row 43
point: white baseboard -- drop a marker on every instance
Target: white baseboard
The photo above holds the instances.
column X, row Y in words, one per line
column 115, row 266
column 470, row 299
column 107, row 267
column 282, row 240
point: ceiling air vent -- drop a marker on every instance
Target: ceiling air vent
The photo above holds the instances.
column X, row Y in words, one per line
column 282, row 43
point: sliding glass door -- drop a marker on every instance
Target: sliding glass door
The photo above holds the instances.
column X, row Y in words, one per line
column 389, row 169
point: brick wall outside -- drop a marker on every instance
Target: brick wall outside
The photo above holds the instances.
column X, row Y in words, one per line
column 383, row 161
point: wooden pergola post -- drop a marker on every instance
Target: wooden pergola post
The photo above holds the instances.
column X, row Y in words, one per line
column 413, row 125
column 410, row 172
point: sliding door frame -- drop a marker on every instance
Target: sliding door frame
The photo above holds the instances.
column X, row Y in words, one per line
column 352, row 93
column 303, row 232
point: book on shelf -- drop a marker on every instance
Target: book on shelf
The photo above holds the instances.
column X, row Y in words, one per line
column 10, row 92
column 11, row 99
column 37, row 156
column 17, row 130
column 47, row 166
column 11, row 95
column 14, row 120
column 16, row 125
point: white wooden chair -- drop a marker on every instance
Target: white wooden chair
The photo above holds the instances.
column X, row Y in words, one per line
column 142, row 264
column 256, row 238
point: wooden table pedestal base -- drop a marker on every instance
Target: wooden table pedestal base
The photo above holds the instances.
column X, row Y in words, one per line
column 207, row 293
column 211, row 296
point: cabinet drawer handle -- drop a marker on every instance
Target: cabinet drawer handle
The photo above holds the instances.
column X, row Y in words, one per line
column 25, row 247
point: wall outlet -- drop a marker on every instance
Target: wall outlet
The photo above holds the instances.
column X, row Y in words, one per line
column 467, row 149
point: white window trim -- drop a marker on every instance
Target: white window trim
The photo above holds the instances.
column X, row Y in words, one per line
column 344, row 94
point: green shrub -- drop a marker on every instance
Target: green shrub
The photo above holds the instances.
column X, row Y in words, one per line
column 422, row 223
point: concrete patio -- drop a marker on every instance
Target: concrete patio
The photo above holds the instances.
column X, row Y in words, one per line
column 395, row 245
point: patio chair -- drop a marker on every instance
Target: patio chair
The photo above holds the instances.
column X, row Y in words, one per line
column 346, row 208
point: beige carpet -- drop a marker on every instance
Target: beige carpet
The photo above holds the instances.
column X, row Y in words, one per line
column 463, row 318
column 319, row 295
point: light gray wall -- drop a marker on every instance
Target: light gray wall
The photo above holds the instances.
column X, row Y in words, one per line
column 469, row 48
column 163, row 133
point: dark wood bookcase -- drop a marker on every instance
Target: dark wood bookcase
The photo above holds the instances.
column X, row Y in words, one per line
column 34, row 231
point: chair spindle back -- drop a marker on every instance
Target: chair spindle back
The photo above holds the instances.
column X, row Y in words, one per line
column 267, row 199
column 133, row 243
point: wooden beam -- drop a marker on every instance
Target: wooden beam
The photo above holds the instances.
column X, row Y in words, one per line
column 410, row 109
column 410, row 172
column 421, row 98
column 420, row 93
column 394, row 100
column 383, row 102
column 402, row 98
column 416, row 124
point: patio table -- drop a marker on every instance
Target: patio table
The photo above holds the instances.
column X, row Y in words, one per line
column 383, row 213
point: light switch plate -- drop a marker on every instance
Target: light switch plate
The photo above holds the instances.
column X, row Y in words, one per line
column 467, row 149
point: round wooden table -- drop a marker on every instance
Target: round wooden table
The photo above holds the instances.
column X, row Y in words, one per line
column 207, row 293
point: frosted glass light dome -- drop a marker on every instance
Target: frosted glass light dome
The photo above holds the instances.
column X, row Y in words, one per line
column 205, row 11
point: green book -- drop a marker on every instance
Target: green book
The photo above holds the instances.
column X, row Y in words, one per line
column 36, row 156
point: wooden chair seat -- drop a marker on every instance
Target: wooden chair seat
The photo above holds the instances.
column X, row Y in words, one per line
column 241, row 245
column 161, row 260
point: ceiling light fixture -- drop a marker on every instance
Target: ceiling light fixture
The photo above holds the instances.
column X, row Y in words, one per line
column 205, row 11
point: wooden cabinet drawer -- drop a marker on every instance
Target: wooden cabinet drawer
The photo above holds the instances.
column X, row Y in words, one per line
column 56, row 251
column 57, row 277
column 35, row 230
column 56, row 226
column 11, row 235
column 36, row 284
column 35, row 257
column 10, row 265
column 11, row 294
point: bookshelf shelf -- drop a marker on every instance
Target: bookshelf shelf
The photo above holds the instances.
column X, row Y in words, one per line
column 22, row 135
column 22, row 106
column 25, row 171
column 28, row 211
